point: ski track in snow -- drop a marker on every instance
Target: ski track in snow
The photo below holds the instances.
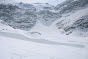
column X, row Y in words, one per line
column 42, row 41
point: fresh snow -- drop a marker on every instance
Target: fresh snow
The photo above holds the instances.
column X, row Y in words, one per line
column 18, row 44
column 11, row 48
column 45, row 42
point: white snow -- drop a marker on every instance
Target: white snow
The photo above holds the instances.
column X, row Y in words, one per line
column 19, row 49
column 18, row 44
column 44, row 42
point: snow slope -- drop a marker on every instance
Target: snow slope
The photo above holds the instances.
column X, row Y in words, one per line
column 47, row 42
column 18, row 44
column 74, row 23
column 11, row 48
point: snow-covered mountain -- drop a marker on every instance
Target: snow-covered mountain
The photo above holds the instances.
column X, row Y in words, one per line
column 46, row 27
column 25, row 16
column 18, row 44
column 71, row 5
column 74, row 17
column 19, row 15
column 41, row 6
column 69, row 17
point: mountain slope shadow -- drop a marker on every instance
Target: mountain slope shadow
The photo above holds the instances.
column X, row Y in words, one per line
column 42, row 41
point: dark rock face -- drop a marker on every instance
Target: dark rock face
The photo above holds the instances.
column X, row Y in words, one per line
column 71, row 5
column 47, row 17
column 18, row 17
column 24, row 16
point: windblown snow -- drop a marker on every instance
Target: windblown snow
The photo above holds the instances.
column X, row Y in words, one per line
column 66, row 37
column 18, row 44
